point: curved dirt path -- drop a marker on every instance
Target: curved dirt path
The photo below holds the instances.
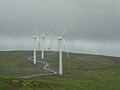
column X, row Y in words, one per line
column 45, row 67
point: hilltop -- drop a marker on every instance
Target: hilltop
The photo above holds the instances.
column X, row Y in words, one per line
column 81, row 72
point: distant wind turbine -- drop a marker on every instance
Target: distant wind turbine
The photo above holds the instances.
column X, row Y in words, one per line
column 34, row 52
column 50, row 47
column 35, row 45
column 61, row 41
column 43, row 44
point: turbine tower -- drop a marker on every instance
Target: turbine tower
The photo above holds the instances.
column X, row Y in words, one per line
column 61, row 41
column 39, row 43
column 51, row 42
column 34, row 52
column 43, row 42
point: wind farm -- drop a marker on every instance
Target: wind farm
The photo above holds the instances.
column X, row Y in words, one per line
column 49, row 69
column 59, row 45
column 57, row 69
column 46, row 69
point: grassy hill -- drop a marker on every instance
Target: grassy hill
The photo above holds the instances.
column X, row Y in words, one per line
column 81, row 72
column 15, row 64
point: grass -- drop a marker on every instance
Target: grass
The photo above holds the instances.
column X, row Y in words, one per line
column 14, row 64
column 81, row 72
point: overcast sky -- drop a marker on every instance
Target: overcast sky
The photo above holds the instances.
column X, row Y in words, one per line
column 92, row 26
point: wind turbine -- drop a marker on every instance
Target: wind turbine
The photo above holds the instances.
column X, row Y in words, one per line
column 61, row 41
column 35, row 44
column 43, row 42
column 34, row 52
column 50, row 47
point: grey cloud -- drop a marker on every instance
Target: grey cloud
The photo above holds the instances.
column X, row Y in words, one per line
column 95, row 21
column 84, row 18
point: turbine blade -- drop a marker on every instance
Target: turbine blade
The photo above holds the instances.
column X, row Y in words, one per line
column 36, row 34
column 64, row 43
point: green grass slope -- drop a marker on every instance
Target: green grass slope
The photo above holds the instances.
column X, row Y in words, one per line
column 81, row 72
column 15, row 64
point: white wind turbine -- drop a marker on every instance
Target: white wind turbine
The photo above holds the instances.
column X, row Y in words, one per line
column 34, row 52
column 61, row 41
column 43, row 43
column 35, row 45
column 50, row 47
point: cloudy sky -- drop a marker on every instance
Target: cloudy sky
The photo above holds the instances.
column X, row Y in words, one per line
column 92, row 26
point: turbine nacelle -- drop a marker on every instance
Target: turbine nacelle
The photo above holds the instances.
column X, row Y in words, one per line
column 34, row 37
